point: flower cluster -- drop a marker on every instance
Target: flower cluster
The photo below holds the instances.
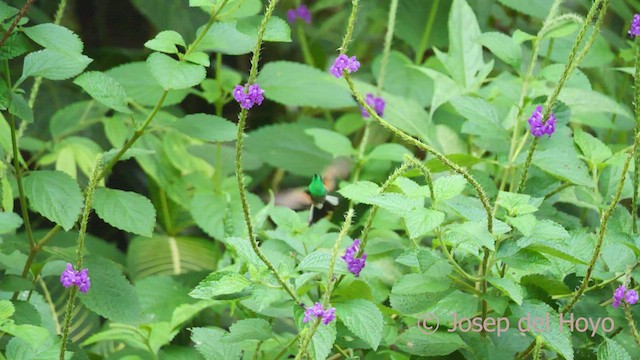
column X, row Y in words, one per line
column 301, row 12
column 621, row 293
column 354, row 264
column 80, row 278
column 248, row 98
column 343, row 62
column 376, row 103
column 539, row 128
column 318, row 312
column 635, row 26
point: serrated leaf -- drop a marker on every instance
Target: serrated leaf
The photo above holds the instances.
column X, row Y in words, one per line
column 173, row 74
column 54, row 65
column 207, row 127
column 362, row 318
column 556, row 338
column 9, row 222
column 360, row 191
column 55, row 195
column 322, row 341
column 141, row 86
column 414, row 341
column 319, row 261
column 421, row 221
column 208, row 343
column 220, row 283
column 166, row 41
column 446, row 187
column 248, row 329
column 277, row 29
column 331, row 142
column 198, row 57
column 592, row 148
column 502, row 46
column 611, row 350
column 508, row 287
column 20, row 108
column 393, row 152
column 104, row 89
column 125, row 210
column 110, row 295
column 56, row 37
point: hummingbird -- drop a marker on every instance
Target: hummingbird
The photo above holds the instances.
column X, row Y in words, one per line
column 319, row 196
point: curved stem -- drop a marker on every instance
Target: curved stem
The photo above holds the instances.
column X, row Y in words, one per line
column 427, row 32
column 632, row 323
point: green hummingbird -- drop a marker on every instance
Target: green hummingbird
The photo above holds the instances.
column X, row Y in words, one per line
column 319, row 197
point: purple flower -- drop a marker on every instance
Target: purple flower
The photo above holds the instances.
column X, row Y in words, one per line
column 376, row 103
column 318, row 312
column 343, row 62
column 354, row 264
column 68, row 276
column 635, row 26
column 301, row 12
column 83, row 281
column 632, row 297
column 622, row 294
column 538, row 127
column 252, row 95
column 80, row 278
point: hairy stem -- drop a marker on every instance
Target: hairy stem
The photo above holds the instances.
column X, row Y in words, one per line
column 632, row 323
column 636, row 170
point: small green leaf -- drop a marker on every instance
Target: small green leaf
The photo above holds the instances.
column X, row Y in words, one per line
column 54, row 65
column 502, row 46
column 173, row 74
column 55, row 195
column 220, row 283
column 360, row 191
column 248, row 329
column 110, row 295
column 331, row 142
column 319, row 261
column 611, row 350
column 518, row 204
column 592, row 148
column 104, row 89
column 421, row 221
column 166, row 42
column 6, row 309
column 141, row 86
column 508, row 287
column 198, row 57
column 207, row 127
column 393, row 152
column 125, row 210
column 208, row 342
column 277, row 29
column 446, row 187
column 9, row 222
column 55, row 37
column 20, row 108
column 362, row 318
column 414, row 341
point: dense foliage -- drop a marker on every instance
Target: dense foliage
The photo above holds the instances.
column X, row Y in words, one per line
column 374, row 179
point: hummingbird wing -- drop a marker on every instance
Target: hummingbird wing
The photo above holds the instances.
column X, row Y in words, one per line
column 333, row 200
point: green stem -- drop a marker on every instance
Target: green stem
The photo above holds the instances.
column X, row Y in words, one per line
column 538, row 347
column 284, row 349
column 455, row 265
column 304, row 44
column 636, row 170
column 307, row 339
column 350, row 26
column 391, row 24
column 242, row 118
column 426, row 33
column 93, row 183
column 207, row 26
column 632, row 323
column 603, row 227
column 166, row 217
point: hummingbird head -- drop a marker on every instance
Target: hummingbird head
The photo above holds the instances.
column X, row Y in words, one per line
column 316, row 187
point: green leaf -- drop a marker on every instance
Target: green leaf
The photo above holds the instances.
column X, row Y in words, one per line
column 592, row 148
column 277, row 29
column 20, row 108
column 360, row 191
column 166, row 42
column 207, row 127
column 287, row 146
column 248, row 329
column 295, row 84
column 611, row 350
column 48, row 348
column 54, row 65
column 198, row 57
column 406, row 82
column 322, row 341
column 558, row 156
column 55, row 195
column 508, row 287
column 556, row 338
column 538, row 9
column 393, row 152
column 125, row 210
column 446, row 187
column 16, row 45
column 55, row 37
column 421, row 221
column 220, row 283
column 104, row 89
column 209, row 343
column 363, row 319
column 209, row 210
column 331, row 142
column 415, row 342
column 483, row 122
column 239, row 37
column 6, row 309
column 173, row 74
column 111, row 295
column 583, row 101
column 518, row 204
column 464, row 60
column 169, row 255
column 502, row 46
column 141, row 86
column 318, row 261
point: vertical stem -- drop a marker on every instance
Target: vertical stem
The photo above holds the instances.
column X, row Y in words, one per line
column 632, row 323
column 427, row 32
column 391, row 24
column 636, row 170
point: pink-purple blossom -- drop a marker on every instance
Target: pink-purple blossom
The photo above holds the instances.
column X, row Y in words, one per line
column 247, row 97
column 622, row 294
column 316, row 311
column 70, row 277
column 376, row 103
column 301, row 12
column 342, row 63
column 635, row 26
column 354, row 264
column 538, row 127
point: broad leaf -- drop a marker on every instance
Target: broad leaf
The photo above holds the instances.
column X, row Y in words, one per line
column 55, row 195
column 125, row 210
column 173, row 74
column 104, row 89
